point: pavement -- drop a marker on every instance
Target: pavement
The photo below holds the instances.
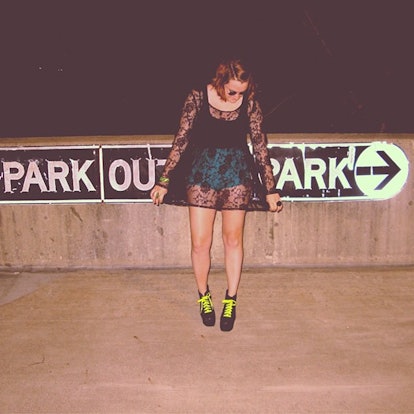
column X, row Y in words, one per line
column 306, row 340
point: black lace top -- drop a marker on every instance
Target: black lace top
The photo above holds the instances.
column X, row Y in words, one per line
column 210, row 165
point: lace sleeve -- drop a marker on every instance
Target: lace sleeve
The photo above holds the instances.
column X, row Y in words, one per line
column 189, row 112
column 259, row 143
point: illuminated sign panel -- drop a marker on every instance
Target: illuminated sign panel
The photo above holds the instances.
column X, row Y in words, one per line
column 126, row 173
column 49, row 174
column 129, row 172
column 375, row 170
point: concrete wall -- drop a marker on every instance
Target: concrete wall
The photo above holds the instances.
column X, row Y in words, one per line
column 41, row 236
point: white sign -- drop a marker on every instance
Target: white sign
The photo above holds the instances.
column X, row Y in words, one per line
column 126, row 173
column 370, row 171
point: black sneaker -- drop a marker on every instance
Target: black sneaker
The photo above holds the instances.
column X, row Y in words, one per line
column 228, row 316
column 208, row 315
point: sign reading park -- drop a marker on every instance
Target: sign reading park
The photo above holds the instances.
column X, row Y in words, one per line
column 376, row 170
column 49, row 174
column 126, row 173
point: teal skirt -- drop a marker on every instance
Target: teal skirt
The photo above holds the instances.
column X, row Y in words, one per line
column 216, row 178
column 219, row 168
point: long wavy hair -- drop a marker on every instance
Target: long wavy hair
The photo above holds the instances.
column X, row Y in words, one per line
column 233, row 69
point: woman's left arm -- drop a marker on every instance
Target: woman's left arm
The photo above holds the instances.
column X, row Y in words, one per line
column 261, row 154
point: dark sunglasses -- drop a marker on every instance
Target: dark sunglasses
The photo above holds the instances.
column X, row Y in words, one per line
column 232, row 93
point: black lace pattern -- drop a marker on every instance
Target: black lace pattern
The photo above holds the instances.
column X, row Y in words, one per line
column 220, row 178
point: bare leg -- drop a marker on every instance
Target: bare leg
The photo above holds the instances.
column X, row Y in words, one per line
column 232, row 233
column 201, row 227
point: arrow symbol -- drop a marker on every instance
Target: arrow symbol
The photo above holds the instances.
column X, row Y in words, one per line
column 391, row 170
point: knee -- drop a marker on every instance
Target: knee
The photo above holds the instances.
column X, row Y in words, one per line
column 200, row 245
column 233, row 241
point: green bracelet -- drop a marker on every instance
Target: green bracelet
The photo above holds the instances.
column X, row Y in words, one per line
column 164, row 180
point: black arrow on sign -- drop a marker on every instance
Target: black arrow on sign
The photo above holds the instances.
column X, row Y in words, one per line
column 391, row 169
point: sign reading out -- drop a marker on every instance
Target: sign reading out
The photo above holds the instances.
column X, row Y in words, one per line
column 126, row 173
column 130, row 172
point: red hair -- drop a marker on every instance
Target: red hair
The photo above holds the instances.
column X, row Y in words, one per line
column 233, row 69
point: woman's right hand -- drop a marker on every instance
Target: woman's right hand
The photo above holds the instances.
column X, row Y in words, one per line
column 157, row 194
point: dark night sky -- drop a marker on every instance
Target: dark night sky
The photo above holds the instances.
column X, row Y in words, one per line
column 124, row 67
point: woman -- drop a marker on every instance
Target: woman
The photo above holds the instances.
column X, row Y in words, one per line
column 210, row 169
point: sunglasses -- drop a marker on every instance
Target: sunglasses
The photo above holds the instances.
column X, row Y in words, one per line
column 232, row 93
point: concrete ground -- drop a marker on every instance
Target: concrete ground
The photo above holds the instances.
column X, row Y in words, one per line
column 131, row 341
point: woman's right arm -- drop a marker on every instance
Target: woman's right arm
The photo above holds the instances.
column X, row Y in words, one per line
column 190, row 109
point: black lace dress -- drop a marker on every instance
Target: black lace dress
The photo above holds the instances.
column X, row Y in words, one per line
column 210, row 164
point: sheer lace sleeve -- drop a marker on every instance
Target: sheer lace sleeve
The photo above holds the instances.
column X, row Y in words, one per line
column 259, row 143
column 189, row 112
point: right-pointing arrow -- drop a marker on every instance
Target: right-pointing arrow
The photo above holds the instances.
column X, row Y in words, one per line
column 391, row 170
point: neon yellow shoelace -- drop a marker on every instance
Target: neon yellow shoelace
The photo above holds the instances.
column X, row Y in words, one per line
column 206, row 304
column 229, row 304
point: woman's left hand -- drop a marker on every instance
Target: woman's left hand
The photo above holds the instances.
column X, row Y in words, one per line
column 157, row 194
column 275, row 203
